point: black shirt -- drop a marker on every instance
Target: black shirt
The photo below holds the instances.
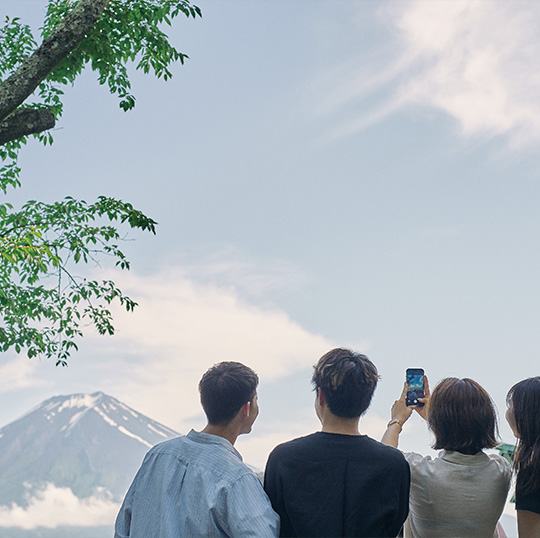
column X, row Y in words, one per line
column 328, row 484
column 528, row 501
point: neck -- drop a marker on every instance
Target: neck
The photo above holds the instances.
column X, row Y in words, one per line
column 228, row 431
column 344, row 426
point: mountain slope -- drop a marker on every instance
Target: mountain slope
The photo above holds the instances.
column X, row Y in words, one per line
column 87, row 442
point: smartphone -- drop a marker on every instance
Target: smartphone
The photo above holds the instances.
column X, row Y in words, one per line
column 415, row 386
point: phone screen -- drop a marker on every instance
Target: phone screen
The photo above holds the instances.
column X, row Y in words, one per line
column 415, row 386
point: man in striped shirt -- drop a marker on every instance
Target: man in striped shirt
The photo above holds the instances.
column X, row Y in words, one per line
column 197, row 485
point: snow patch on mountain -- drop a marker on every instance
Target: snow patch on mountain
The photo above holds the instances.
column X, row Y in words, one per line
column 107, row 419
column 80, row 400
column 150, row 427
column 132, row 435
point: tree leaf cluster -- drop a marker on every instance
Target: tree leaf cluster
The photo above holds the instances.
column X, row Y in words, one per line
column 45, row 304
column 128, row 31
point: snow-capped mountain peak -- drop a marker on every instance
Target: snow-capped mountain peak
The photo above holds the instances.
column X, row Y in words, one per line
column 68, row 411
column 81, row 441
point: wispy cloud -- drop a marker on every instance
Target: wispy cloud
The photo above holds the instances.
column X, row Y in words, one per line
column 19, row 373
column 52, row 507
column 183, row 327
column 479, row 62
column 188, row 319
column 256, row 279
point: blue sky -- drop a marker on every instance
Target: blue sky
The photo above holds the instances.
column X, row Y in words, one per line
column 344, row 173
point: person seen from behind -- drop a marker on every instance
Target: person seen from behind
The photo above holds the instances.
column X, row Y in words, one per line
column 196, row 485
column 462, row 492
column 523, row 416
column 338, row 482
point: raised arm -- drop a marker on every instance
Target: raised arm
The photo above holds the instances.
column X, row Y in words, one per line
column 400, row 414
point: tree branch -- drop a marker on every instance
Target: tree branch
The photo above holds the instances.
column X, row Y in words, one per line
column 21, row 84
column 24, row 122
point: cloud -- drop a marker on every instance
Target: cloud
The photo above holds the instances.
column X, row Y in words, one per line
column 52, row 507
column 479, row 62
column 189, row 318
column 19, row 373
column 227, row 267
column 181, row 328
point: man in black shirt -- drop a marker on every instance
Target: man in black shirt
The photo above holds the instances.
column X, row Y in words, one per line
column 337, row 482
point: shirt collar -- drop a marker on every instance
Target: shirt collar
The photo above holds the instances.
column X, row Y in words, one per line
column 209, row 439
column 464, row 459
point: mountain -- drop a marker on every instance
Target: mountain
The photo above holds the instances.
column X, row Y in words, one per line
column 85, row 442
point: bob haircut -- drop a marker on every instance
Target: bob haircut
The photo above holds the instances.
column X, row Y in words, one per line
column 347, row 380
column 524, row 399
column 462, row 416
column 224, row 389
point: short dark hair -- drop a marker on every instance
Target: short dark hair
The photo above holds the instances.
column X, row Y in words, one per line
column 462, row 416
column 524, row 398
column 347, row 380
column 225, row 388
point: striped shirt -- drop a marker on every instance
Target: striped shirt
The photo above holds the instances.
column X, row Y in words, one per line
column 195, row 485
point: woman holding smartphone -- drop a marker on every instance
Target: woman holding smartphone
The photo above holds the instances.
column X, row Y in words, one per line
column 461, row 492
column 523, row 416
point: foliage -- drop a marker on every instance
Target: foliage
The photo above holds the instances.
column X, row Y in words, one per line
column 128, row 31
column 44, row 306
column 38, row 243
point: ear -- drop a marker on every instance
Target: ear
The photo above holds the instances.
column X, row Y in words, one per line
column 245, row 409
column 320, row 397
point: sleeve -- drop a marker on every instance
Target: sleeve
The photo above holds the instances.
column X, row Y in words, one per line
column 529, row 502
column 122, row 525
column 404, row 493
column 249, row 512
column 394, row 491
column 504, row 466
column 270, row 481
column 414, row 459
column 273, row 486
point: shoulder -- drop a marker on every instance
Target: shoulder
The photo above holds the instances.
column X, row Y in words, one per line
column 171, row 446
column 492, row 463
column 170, row 443
column 327, row 445
column 377, row 450
column 382, row 449
column 413, row 458
column 500, row 463
column 421, row 465
column 296, row 445
column 293, row 453
column 501, row 468
column 216, row 459
column 528, row 502
column 386, row 455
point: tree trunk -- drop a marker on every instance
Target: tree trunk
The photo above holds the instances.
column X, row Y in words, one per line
column 34, row 69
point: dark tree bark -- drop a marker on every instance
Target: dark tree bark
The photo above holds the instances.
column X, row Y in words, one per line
column 24, row 122
column 21, row 84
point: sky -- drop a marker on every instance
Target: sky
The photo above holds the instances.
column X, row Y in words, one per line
column 324, row 174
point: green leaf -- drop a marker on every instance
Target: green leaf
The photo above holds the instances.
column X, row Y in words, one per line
column 44, row 304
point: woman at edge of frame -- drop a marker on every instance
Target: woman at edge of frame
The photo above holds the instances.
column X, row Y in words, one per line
column 523, row 416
